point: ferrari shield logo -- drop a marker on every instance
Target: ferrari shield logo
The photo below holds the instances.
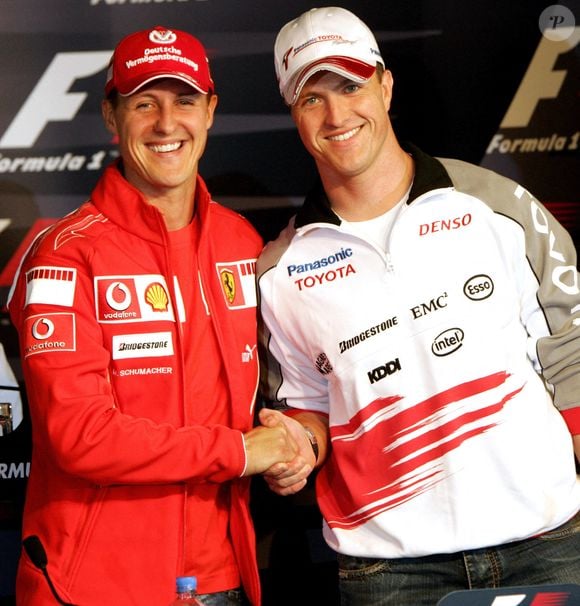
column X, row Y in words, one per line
column 228, row 284
column 238, row 282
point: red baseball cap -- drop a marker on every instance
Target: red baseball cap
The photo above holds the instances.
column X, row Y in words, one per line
column 156, row 53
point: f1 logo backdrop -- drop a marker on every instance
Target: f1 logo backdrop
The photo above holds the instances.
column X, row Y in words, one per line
column 539, row 136
column 532, row 595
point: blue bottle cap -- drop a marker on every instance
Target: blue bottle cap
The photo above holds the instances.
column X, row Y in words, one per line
column 186, row 584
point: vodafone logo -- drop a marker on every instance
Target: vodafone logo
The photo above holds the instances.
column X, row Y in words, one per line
column 42, row 329
column 132, row 298
column 118, row 296
column 49, row 333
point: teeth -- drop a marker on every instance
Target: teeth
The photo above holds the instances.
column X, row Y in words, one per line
column 345, row 136
column 168, row 147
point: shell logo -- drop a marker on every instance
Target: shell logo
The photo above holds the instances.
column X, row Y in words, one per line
column 156, row 296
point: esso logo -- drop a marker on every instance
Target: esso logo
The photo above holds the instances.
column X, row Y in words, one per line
column 478, row 287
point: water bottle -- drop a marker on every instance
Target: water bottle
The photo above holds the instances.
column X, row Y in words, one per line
column 186, row 590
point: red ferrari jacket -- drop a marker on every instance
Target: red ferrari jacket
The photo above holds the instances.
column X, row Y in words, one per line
column 115, row 455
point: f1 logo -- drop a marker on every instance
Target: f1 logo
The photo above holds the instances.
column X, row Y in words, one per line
column 529, row 595
column 50, row 100
column 541, row 81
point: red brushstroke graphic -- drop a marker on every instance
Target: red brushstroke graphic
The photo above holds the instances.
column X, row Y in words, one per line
column 390, row 454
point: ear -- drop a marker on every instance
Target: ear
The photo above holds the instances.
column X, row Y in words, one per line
column 387, row 88
column 212, row 102
column 108, row 112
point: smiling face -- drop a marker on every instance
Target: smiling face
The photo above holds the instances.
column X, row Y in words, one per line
column 345, row 126
column 162, row 133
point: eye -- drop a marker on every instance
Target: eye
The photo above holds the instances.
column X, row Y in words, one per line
column 351, row 87
column 143, row 105
column 309, row 100
column 185, row 101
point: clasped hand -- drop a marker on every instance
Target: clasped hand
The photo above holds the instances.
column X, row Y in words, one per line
column 286, row 477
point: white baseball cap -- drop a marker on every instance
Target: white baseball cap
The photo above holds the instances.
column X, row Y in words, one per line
column 329, row 38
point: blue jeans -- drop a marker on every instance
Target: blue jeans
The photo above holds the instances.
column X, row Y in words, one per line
column 231, row 597
column 550, row 558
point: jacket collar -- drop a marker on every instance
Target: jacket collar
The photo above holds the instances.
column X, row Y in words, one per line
column 125, row 205
column 429, row 174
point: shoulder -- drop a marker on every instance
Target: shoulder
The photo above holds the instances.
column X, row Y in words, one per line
column 233, row 225
column 77, row 228
column 476, row 180
column 275, row 249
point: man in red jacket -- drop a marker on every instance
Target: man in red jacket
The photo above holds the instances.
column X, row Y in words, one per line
column 137, row 325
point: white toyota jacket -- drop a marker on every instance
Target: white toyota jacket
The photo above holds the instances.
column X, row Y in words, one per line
column 449, row 367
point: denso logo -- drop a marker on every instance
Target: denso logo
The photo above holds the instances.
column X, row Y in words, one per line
column 380, row 372
column 328, row 276
column 445, row 225
column 478, row 287
column 447, row 342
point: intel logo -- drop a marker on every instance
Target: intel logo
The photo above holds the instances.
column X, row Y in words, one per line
column 447, row 342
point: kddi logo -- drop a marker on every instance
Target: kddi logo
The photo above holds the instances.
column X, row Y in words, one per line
column 380, row 372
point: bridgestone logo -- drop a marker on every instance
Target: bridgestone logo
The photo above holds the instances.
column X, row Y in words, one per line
column 150, row 345
column 367, row 334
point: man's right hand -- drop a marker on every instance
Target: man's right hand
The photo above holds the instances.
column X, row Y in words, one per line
column 267, row 446
column 289, row 477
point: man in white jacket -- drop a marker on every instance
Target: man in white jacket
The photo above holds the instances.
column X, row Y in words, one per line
column 422, row 325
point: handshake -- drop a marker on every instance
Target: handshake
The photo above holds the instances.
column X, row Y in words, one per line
column 281, row 450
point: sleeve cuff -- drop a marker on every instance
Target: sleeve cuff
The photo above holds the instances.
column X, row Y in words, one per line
column 245, row 455
column 572, row 420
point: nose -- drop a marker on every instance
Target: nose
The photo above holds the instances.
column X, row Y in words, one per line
column 166, row 120
column 336, row 111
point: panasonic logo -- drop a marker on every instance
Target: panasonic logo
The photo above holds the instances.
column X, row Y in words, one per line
column 341, row 255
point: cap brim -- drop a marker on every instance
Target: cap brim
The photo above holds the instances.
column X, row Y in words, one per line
column 356, row 70
column 135, row 85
